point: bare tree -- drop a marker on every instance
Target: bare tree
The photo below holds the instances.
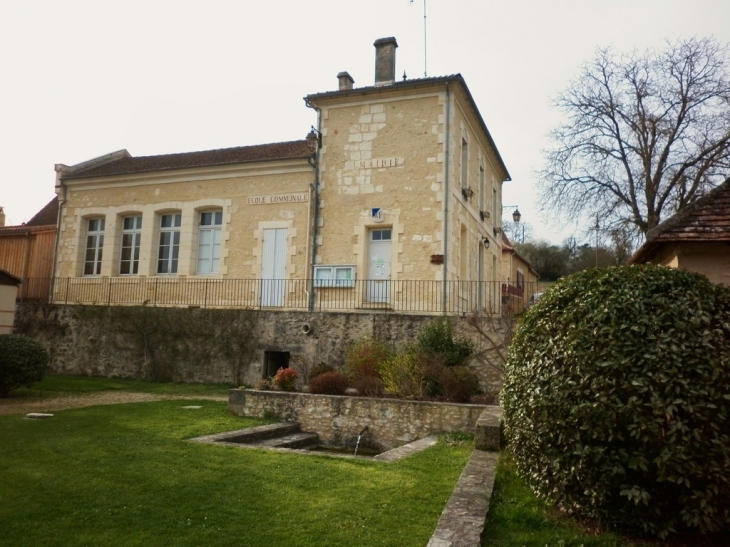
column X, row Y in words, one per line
column 646, row 134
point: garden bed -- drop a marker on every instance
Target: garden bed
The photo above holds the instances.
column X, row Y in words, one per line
column 338, row 419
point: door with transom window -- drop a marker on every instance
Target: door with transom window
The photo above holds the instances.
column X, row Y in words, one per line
column 379, row 259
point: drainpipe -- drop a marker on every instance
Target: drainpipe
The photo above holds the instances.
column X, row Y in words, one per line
column 444, row 294
column 61, row 203
column 314, row 162
column 26, row 263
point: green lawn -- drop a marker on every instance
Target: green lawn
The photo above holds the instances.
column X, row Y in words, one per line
column 124, row 475
column 56, row 385
column 517, row 518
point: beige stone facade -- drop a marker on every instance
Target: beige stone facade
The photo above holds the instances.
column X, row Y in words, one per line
column 519, row 278
column 395, row 201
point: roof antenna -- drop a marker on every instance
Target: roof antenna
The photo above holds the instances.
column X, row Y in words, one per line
column 425, row 49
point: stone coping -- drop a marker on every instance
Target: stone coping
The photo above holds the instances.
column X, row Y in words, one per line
column 488, row 431
column 462, row 520
column 389, row 456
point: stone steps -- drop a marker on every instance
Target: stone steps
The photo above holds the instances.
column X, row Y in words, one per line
column 281, row 435
column 301, row 439
column 254, row 435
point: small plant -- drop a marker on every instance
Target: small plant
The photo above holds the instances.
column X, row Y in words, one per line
column 456, row 438
column 23, row 361
column 265, row 384
column 286, row 379
column 369, row 386
column 403, row 374
column 329, row 383
column 459, row 384
column 318, row 370
column 438, row 337
column 363, row 357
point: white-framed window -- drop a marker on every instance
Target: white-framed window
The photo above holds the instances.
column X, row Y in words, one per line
column 209, row 242
column 131, row 237
column 94, row 246
column 169, row 248
column 381, row 235
column 334, row 276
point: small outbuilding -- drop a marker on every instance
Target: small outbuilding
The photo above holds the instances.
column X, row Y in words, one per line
column 696, row 239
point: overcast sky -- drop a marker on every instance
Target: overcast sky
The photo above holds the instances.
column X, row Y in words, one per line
column 81, row 79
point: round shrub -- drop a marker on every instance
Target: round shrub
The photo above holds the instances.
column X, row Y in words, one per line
column 319, row 369
column 329, row 383
column 616, row 399
column 22, row 362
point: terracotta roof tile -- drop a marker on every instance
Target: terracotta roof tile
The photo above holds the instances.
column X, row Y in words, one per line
column 707, row 219
column 223, row 156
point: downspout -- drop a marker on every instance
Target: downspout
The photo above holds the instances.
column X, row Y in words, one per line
column 61, row 203
column 444, row 294
column 26, row 263
column 314, row 191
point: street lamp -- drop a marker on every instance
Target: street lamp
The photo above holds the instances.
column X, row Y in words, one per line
column 516, row 216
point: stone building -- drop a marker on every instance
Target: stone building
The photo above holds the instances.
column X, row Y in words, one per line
column 520, row 278
column 393, row 201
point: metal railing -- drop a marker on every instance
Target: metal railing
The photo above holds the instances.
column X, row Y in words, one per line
column 406, row 296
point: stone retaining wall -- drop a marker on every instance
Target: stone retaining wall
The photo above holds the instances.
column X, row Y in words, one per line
column 186, row 344
column 339, row 419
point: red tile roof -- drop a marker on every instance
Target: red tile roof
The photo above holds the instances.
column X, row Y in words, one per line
column 224, row 156
column 706, row 220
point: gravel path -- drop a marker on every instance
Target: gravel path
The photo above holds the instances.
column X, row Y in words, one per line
column 10, row 406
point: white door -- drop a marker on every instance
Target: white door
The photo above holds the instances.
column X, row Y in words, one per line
column 273, row 267
column 379, row 253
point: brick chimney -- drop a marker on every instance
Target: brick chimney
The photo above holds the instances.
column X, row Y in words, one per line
column 385, row 61
column 345, row 80
column 2, row 217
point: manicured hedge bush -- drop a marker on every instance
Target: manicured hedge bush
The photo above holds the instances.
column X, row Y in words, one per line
column 22, row 362
column 617, row 399
column 329, row 383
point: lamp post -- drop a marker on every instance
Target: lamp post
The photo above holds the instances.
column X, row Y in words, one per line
column 516, row 216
